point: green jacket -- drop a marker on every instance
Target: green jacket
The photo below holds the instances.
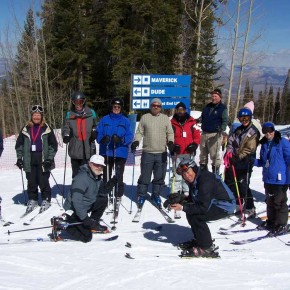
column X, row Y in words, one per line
column 23, row 146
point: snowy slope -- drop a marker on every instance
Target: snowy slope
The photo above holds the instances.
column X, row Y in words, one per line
column 102, row 265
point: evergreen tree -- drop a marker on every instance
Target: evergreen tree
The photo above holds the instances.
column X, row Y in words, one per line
column 276, row 113
column 285, row 103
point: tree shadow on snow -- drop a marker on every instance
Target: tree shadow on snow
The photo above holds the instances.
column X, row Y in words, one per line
column 167, row 233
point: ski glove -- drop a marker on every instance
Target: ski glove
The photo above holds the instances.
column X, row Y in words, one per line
column 111, row 184
column 19, row 163
column 176, row 149
column 170, row 146
column 172, row 199
column 191, row 148
column 93, row 135
column 88, row 222
column 105, row 140
column 134, row 145
column 47, row 164
column 66, row 139
column 116, row 139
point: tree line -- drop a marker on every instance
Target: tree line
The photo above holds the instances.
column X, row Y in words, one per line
column 95, row 45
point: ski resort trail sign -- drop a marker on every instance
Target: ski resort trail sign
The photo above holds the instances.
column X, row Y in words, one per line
column 171, row 89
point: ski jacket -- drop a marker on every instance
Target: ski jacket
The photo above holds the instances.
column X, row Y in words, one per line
column 115, row 124
column 23, row 146
column 84, row 191
column 207, row 190
column 243, row 144
column 156, row 132
column 79, row 127
column 275, row 160
column 214, row 118
column 185, row 133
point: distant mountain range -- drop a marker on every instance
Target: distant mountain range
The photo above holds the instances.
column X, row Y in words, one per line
column 258, row 76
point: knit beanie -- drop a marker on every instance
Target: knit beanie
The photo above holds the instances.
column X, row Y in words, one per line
column 156, row 100
column 250, row 105
column 217, row 91
column 180, row 105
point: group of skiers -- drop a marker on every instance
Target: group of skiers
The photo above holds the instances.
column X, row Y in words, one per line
column 201, row 194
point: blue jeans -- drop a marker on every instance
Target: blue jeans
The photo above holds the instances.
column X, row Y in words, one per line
column 155, row 163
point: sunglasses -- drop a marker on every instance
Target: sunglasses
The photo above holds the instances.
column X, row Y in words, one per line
column 78, row 102
column 156, row 106
column 180, row 110
column 37, row 109
column 116, row 107
column 182, row 168
column 267, row 130
column 245, row 118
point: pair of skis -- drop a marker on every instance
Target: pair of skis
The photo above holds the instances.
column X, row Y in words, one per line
column 254, row 239
column 137, row 216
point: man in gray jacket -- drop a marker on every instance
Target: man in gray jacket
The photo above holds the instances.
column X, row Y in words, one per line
column 157, row 133
column 88, row 194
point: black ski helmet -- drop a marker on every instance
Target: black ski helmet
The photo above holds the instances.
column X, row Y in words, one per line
column 78, row 96
column 117, row 101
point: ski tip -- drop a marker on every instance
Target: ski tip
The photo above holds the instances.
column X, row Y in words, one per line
column 128, row 245
column 128, row 256
column 112, row 238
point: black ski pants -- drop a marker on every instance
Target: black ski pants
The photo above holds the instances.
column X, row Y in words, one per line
column 76, row 164
column 200, row 228
column 243, row 180
column 277, row 209
column 37, row 178
column 80, row 232
column 118, row 163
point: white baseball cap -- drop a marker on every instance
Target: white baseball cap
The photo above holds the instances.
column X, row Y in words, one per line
column 97, row 159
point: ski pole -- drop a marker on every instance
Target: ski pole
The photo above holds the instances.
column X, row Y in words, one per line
column 169, row 186
column 56, row 184
column 64, row 172
column 23, row 191
column 132, row 189
column 114, row 189
column 46, row 227
column 239, row 198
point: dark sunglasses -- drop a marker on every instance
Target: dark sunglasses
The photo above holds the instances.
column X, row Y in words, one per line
column 182, row 168
column 245, row 118
column 156, row 106
column 117, row 107
column 37, row 109
column 267, row 130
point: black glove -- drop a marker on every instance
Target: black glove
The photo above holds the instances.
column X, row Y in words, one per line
column 105, row 140
column 116, row 139
column 218, row 129
column 47, row 164
column 88, row 222
column 111, row 183
column 19, row 163
column 172, row 199
column 93, row 135
column 176, row 149
column 170, row 146
column 134, row 145
column 66, row 139
column 191, row 148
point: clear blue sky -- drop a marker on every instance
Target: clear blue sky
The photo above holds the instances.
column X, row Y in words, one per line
column 271, row 19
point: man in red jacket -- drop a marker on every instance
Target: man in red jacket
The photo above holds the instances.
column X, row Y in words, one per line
column 186, row 141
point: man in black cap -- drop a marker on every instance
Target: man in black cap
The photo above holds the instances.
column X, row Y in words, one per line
column 210, row 199
column 186, row 141
column 214, row 119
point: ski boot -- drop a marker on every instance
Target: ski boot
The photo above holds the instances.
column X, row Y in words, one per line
column 140, row 201
column 198, row 252
column 57, row 224
column 156, row 200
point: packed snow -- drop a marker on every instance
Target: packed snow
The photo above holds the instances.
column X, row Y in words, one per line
column 30, row 261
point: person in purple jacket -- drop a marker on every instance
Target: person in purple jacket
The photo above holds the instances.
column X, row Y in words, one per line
column 275, row 160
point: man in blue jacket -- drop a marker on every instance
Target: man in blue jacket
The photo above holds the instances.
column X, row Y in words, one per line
column 114, row 136
column 214, row 120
